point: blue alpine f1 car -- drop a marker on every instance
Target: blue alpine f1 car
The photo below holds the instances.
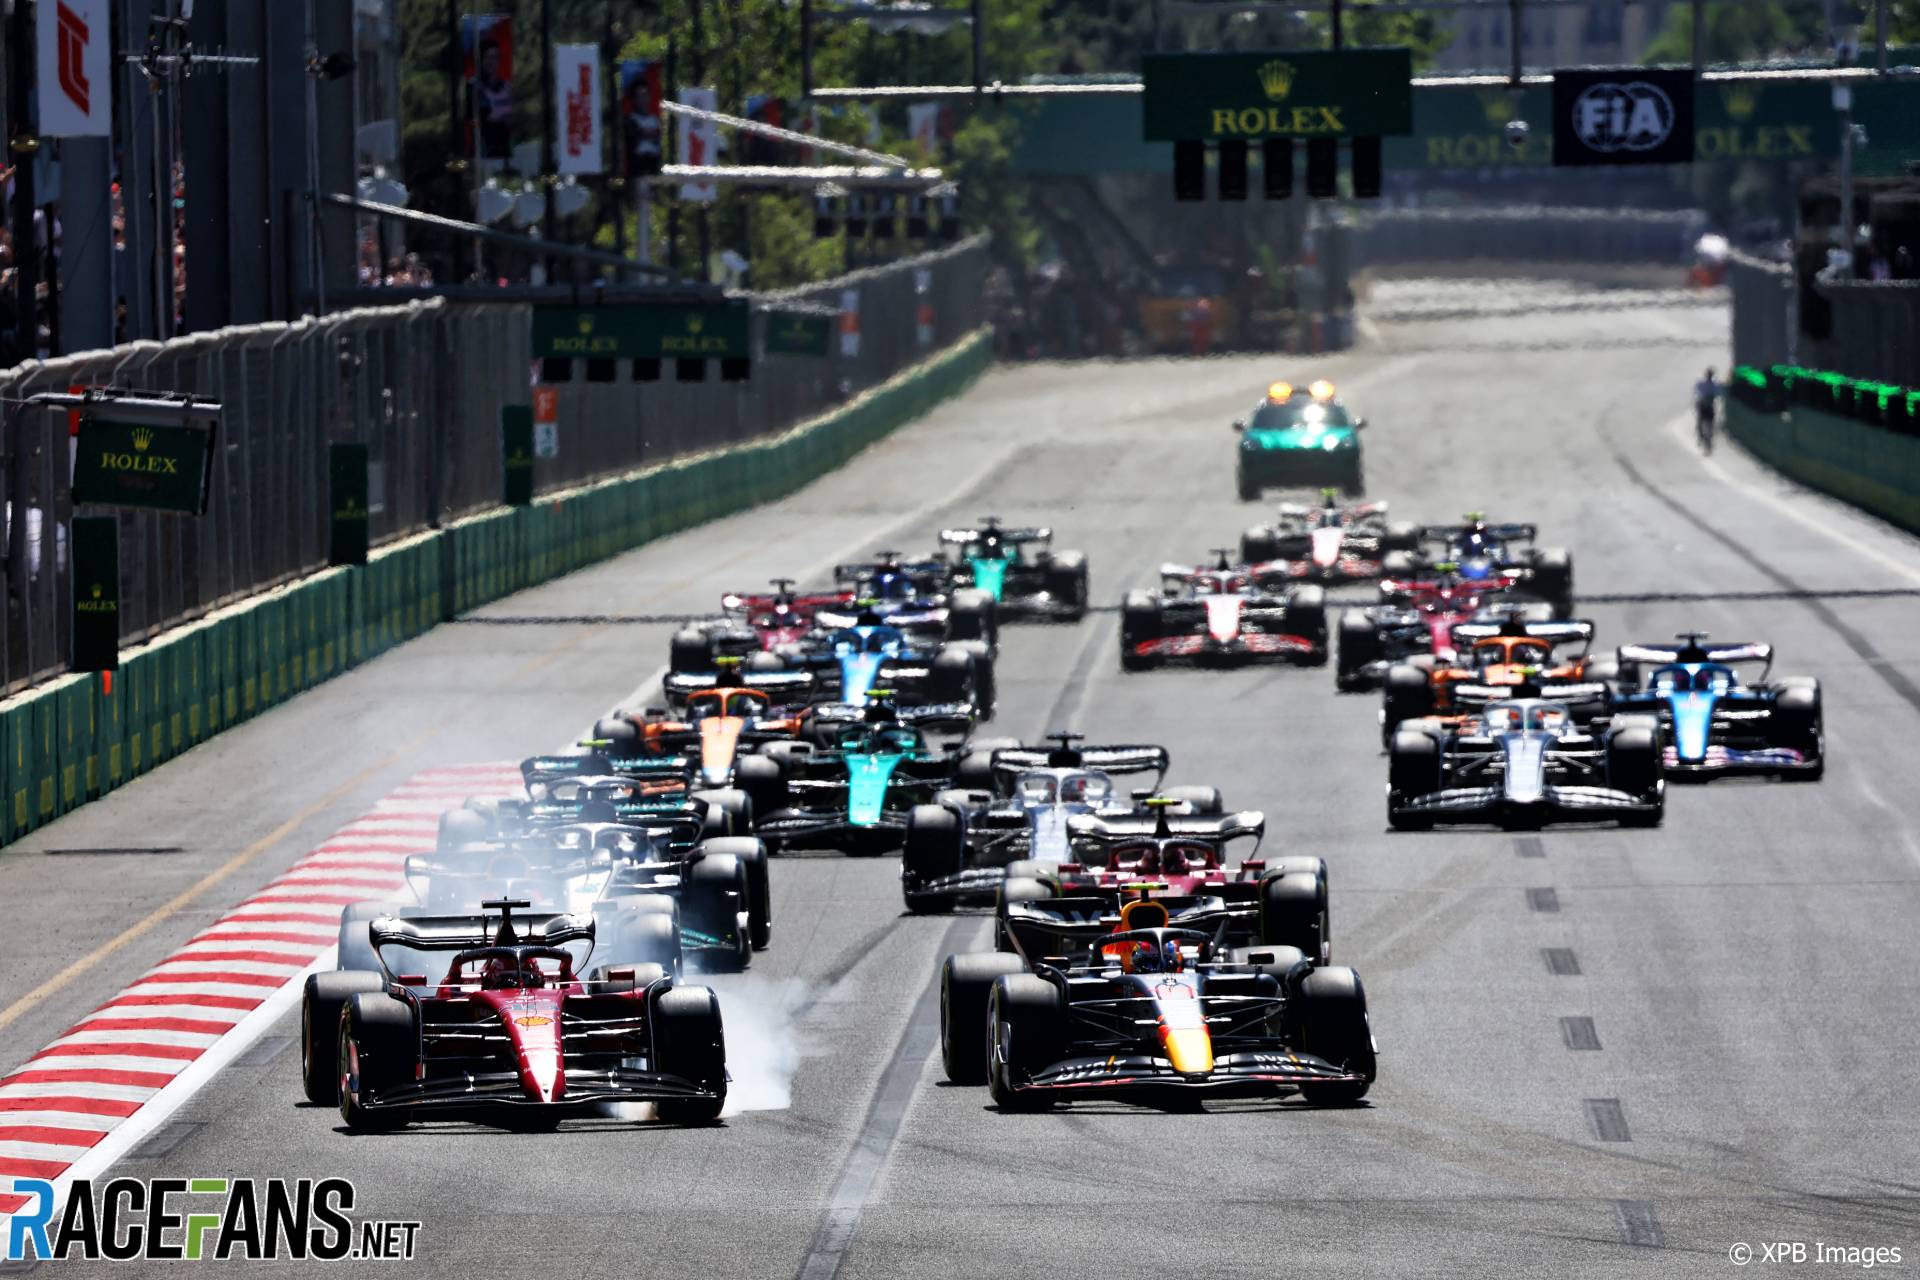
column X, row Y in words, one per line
column 1714, row 721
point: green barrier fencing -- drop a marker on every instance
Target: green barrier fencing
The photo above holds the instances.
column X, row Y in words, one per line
column 1873, row 468
column 82, row 736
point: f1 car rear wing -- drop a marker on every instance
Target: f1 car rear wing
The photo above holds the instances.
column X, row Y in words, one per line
column 1450, row 533
column 547, row 770
column 1695, row 649
column 932, row 715
column 464, row 933
column 1115, row 759
column 796, row 686
column 928, row 573
column 1230, row 826
column 965, row 537
column 1572, row 631
column 1077, row 923
column 751, row 602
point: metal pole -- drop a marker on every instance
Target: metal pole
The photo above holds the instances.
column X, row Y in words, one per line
column 1880, row 34
column 806, row 49
column 615, row 131
column 1513, row 39
column 979, row 46
column 550, row 225
column 26, row 254
column 1334, row 22
column 670, row 148
column 1699, row 34
column 1843, row 99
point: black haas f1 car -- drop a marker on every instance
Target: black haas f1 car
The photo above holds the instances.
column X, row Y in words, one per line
column 1038, row 583
column 958, row 848
column 853, row 783
column 506, row 1026
column 1330, row 543
column 1224, row 615
column 1489, row 661
column 1135, row 1006
column 1522, row 764
column 750, row 624
column 1477, row 551
column 1277, row 901
column 1715, row 722
column 650, row 850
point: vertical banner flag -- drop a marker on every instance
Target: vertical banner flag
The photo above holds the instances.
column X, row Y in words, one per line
column 923, row 126
column 923, row 305
column 76, row 72
column 546, row 422
column 486, row 40
column 763, row 108
column 640, row 116
column 849, row 322
column 699, row 142
column 576, row 76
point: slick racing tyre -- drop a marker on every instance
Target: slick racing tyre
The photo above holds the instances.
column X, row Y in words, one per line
column 1634, row 766
column 966, row 985
column 962, row 674
column 1014, row 890
column 1139, row 623
column 326, row 995
column 1067, row 582
column 971, row 615
column 356, row 947
column 936, row 847
column 1796, row 723
column 1359, row 644
column 1330, row 1018
column 1408, row 696
column 751, row 854
column 1399, row 564
column 1293, row 913
column 764, row 663
column 1047, row 873
column 1203, row 802
column 462, row 827
column 690, row 1042
column 1307, row 617
column 729, row 812
column 625, row 937
column 1401, row 535
column 1259, row 545
column 618, row 736
column 1025, row 1019
column 378, row 1048
column 975, row 770
column 689, row 650
column 1553, row 579
column 713, row 895
column 1413, row 770
column 763, row 781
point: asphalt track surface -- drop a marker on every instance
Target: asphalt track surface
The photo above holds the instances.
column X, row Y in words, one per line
column 1747, row 969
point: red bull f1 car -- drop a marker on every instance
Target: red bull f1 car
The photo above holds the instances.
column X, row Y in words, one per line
column 752, row 623
column 501, row 1023
column 1137, row 1007
column 1479, row 551
column 1224, row 615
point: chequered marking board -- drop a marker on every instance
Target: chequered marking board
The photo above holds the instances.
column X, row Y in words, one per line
column 102, row 1070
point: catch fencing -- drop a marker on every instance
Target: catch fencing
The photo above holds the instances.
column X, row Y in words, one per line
column 1867, row 329
column 1536, row 234
column 422, row 385
column 1763, row 311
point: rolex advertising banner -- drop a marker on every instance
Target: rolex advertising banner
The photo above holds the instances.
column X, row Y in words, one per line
column 1633, row 115
column 1293, row 93
column 347, row 525
column 799, row 333
column 158, row 468
column 96, row 593
column 652, row 331
column 516, row 452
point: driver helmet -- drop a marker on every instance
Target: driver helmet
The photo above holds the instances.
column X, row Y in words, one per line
column 1476, row 568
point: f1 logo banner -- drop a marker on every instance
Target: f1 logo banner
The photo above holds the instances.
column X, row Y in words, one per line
column 76, row 75
column 1633, row 115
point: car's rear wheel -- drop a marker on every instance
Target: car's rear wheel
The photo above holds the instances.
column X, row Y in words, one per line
column 1408, row 696
column 1293, row 913
column 1259, row 545
column 1797, row 724
column 1206, row 802
column 1413, row 770
column 689, row 651
column 321, row 1003
column 1016, row 889
column 713, row 894
column 1307, row 618
column 1067, row 582
column 1634, row 766
column 1359, row 644
column 1140, row 622
column 936, row 847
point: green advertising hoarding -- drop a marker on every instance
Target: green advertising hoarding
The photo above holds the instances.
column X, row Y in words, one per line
column 656, row 331
column 153, row 467
column 1291, row 93
column 516, row 454
column 799, row 333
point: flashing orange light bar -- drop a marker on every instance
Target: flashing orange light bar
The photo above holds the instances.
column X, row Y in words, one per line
column 1280, row 392
column 1321, row 390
